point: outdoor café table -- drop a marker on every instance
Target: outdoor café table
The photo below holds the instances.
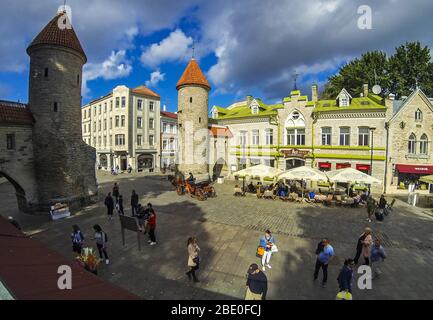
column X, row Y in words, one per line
column 268, row 193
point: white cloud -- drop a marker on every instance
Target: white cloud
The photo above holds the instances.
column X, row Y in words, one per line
column 176, row 47
column 155, row 78
column 115, row 66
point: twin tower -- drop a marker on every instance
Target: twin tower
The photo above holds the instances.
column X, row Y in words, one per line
column 193, row 100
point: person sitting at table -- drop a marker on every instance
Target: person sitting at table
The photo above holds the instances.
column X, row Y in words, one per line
column 356, row 200
column 251, row 188
column 237, row 191
column 269, row 194
column 364, row 195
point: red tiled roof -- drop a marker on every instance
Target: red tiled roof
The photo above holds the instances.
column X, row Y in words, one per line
column 220, row 132
column 29, row 270
column 145, row 91
column 15, row 113
column 169, row 114
column 53, row 35
column 193, row 76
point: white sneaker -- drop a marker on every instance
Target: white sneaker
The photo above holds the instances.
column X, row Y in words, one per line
column 264, row 269
column 152, row 243
column 269, row 266
column 107, row 261
column 149, row 241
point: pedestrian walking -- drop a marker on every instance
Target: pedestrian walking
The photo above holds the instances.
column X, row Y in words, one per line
column 360, row 244
column 77, row 240
column 366, row 246
column 371, row 208
column 193, row 258
column 324, row 254
column 109, row 203
column 101, row 242
column 151, row 225
column 267, row 242
column 116, row 192
column 257, row 284
column 345, row 279
column 377, row 257
column 134, row 203
column 119, row 206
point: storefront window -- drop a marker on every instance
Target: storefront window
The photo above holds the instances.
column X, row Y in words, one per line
column 325, row 166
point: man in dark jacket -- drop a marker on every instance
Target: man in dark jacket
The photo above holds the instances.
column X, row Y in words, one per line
column 345, row 277
column 134, row 203
column 359, row 247
column 257, row 284
column 109, row 203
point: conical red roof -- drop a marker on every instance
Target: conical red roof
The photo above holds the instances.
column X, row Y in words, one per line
column 53, row 35
column 193, row 76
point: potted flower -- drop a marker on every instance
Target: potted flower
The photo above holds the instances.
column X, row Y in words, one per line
column 89, row 260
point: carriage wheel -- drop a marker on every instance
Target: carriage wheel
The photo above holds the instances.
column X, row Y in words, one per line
column 179, row 191
column 200, row 195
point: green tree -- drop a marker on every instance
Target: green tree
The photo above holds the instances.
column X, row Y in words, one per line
column 399, row 74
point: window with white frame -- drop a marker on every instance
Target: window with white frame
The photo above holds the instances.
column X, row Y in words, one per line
column 326, row 136
column 119, row 139
column 418, row 115
column 255, row 137
column 243, row 138
column 139, row 123
column 117, row 102
column 412, row 144
column 139, row 140
column 151, row 123
column 151, row 106
column 165, row 145
column 164, row 127
column 423, row 145
column 291, row 137
column 269, row 137
column 151, row 140
column 139, row 104
column 123, row 102
column 345, row 136
column 364, row 137
column 123, row 119
column 295, row 137
column 117, row 124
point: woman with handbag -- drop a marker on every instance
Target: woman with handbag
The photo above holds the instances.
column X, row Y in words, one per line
column 267, row 243
column 193, row 258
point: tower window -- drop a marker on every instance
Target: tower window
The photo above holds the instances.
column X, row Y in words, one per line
column 46, row 73
column 56, row 107
column 190, row 100
column 199, row 120
column 78, row 79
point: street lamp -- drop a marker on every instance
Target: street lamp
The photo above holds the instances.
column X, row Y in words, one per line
column 372, row 150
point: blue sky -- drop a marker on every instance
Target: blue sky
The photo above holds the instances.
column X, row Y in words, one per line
column 247, row 47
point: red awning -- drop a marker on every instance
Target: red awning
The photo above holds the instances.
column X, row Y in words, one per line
column 343, row 165
column 324, row 165
column 363, row 167
column 416, row 169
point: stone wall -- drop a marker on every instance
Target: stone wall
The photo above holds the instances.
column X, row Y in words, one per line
column 18, row 165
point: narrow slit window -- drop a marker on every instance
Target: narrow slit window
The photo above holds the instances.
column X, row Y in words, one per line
column 56, row 107
column 46, row 73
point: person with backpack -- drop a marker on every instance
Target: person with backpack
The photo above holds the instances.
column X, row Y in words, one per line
column 101, row 242
column 324, row 254
column 134, row 203
column 371, row 208
column 77, row 240
column 377, row 257
column 109, row 203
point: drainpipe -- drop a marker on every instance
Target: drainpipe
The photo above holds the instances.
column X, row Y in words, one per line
column 385, row 182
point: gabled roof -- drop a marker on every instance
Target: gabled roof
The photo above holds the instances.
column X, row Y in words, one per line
column 220, row 132
column 372, row 102
column 244, row 111
column 344, row 91
column 15, row 113
column 143, row 90
column 193, row 76
column 419, row 92
column 170, row 115
column 53, row 35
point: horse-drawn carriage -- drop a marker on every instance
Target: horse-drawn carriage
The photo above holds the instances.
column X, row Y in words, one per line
column 201, row 191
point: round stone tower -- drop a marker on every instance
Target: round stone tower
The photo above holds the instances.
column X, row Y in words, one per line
column 193, row 100
column 64, row 164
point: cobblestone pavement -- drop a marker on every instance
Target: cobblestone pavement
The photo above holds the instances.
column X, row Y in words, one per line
column 228, row 229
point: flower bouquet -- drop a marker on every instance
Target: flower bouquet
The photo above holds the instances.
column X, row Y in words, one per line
column 89, row 260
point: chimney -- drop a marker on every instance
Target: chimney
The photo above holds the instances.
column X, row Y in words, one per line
column 164, row 108
column 391, row 97
column 249, row 100
column 314, row 93
column 365, row 90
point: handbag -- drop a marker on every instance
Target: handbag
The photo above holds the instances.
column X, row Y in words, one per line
column 260, row 251
column 344, row 295
column 274, row 248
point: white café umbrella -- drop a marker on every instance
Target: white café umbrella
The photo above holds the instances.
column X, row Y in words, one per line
column 260, row 171
column 304, row 174
column 350, row 175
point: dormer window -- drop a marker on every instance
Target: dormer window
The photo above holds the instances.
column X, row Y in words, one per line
column 344, row 98
column 214, row 114
column 344, row 102
column 418, row 116
column 255, row 110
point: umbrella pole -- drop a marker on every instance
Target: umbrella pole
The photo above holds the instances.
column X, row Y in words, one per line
column 243, row 185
